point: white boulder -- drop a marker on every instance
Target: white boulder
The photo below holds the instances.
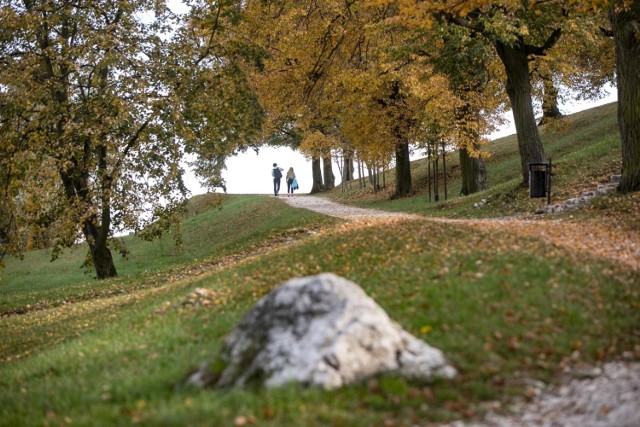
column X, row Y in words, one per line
column 319, row 331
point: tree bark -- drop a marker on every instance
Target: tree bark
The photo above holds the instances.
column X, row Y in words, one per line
column 444, row 169
column 516, row 65
column 317, row 175
column 100, row 252
column 436, row 185
column 347, row 166
column 403, row 171
column 329, row 177
column 626, row 34
column 550, row 109
column 429, row 171
column 95, row 233
column 474, row 173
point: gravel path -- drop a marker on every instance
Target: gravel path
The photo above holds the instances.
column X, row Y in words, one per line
column 330, row 208
column 598, row 240
column 607, row 396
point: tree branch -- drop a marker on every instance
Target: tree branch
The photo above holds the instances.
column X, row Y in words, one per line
column 548, row 44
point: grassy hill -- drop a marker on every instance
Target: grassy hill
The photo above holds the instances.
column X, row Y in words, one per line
column 584, row 148
column 504, row 308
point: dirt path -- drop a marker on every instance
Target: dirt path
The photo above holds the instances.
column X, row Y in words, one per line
column 604, row 242
column 609, row 396
column 330, row 208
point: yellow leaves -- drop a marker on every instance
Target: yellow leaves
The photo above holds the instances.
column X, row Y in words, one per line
column 426, row 329
column 316, row 143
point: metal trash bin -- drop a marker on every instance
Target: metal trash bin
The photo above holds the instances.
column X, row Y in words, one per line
column 538, row 179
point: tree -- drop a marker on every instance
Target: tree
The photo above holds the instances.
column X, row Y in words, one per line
column 469, row 66
column 520, row 29
column 94, row 99
column 517, row 32
column 625, row 22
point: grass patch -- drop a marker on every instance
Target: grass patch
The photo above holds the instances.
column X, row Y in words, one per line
column 209, row 235
column 502, row 309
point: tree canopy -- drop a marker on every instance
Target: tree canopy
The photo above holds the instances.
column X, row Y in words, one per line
column 99, row 101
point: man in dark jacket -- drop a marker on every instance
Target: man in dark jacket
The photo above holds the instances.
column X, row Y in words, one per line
column 276, row 173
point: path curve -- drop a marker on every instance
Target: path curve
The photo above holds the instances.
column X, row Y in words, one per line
column 620, row 246
column 338, row 210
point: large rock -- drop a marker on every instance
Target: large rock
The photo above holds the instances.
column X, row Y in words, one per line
column 320, row 331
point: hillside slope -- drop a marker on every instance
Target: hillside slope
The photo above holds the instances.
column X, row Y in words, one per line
column 584, row 148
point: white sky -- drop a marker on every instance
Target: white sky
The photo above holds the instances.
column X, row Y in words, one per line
column 250, row 173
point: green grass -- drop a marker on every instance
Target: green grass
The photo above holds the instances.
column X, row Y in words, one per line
column 503, row 308
column 243, row 223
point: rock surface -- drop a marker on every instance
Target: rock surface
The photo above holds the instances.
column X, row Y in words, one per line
column 606, row 397
column 584, row 198
column 319, row 331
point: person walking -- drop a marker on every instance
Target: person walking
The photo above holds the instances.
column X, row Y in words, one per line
column 291, row 177
column 276, row 173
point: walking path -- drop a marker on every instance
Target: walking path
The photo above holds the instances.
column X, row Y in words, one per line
column 604, row 242
column 331, row 208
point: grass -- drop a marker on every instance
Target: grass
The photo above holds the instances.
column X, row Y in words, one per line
column 504, row 309
column 209, row 235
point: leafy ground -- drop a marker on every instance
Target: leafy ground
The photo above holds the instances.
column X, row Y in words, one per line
column 506, row 307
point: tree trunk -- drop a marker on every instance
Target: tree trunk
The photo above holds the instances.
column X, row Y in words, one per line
column 444, row 169
column 347, row 166
column 516, row 66
column 436, row 185
column 429, row 171
column 403, row 171
column 626, row 34
column 384, row 177
column 100, row 252
column 550, row 110
column 329, row 177
column 474, row 173
column 376, row 179
column 361, row 179
column 96, row 235
column 317, row 175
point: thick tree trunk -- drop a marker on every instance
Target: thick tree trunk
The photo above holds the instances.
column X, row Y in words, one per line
column 403, row 171
column 329, row 177
column 96, row 235
column 474, row 173
column 100, row 252
column 626, row 34
column 550, row 109
column 316, row 175
column 347, row 166
column 516, row 65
